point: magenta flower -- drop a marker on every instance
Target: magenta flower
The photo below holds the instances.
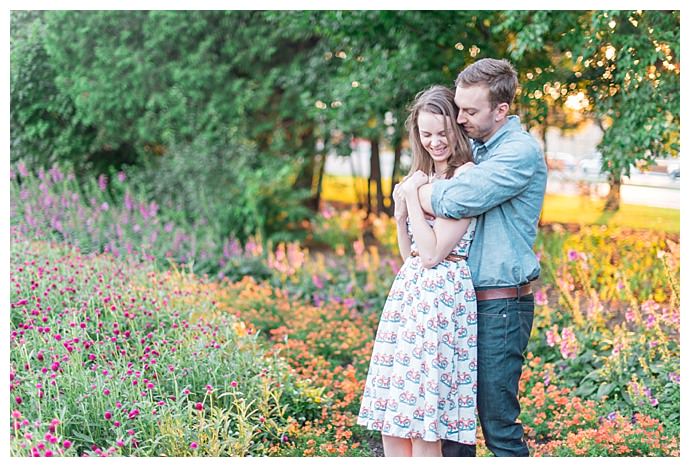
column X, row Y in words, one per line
column 107, row 415
column 193, row 445
column 21, row 167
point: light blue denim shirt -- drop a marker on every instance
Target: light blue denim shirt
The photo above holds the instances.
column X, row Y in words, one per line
column 506, row 191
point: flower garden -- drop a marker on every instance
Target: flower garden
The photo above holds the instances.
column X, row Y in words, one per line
column 136, row 333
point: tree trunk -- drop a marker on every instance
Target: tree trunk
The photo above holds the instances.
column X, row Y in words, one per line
column 613, row 200
column 543, row 139
column 397, row 151
column 319, row 184
column 375, row 174
column 305, row 178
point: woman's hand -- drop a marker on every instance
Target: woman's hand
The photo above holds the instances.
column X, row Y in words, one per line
column 413, row 182
column 400, row 212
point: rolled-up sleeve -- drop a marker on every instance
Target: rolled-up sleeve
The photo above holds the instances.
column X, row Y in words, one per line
column 504, row 175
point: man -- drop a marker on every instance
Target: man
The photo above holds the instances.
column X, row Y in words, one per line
column 506, row 191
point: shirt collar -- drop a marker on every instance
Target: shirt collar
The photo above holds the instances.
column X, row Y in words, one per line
column 513, row 124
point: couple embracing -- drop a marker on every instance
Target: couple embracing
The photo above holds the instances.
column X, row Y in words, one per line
column 458, row 317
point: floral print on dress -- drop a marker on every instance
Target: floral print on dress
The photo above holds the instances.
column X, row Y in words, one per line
column 422, row 379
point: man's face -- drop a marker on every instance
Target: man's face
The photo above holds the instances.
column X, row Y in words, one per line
column 475, row 115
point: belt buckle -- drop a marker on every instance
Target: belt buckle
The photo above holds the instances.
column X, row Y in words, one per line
column 517, row 290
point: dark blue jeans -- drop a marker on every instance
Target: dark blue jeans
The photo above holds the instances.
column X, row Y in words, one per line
column 503, row 330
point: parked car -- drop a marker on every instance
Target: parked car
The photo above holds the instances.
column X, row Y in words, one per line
column 560, row 161
column 591, row 165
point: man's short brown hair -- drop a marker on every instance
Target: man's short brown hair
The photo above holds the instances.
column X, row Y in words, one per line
column 499, row 76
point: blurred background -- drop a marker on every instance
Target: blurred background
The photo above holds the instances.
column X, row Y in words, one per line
column 278, row 111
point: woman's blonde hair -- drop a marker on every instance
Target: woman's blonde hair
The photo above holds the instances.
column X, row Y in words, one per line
column 437, row 100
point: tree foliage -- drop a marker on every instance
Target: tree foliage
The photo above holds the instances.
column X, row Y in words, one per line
column 107, row 88
column 625, row 64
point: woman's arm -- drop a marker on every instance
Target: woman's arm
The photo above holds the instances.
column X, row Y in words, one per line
column 434, row 244
column 400, row 214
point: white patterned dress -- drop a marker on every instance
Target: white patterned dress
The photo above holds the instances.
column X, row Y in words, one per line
column 422, row 380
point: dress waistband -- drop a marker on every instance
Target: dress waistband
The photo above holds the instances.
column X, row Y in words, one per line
column 450, row 257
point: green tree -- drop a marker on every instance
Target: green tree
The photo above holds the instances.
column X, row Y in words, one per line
column 383, row 59
column 626, row 64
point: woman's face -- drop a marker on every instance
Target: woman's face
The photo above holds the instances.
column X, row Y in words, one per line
column 432, row 133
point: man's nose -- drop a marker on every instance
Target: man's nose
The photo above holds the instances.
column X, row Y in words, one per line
column 461, row 118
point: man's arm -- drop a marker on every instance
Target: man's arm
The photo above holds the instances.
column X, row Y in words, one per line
column 487, row 185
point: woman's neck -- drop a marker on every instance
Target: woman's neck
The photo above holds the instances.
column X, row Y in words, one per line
column 440, row 168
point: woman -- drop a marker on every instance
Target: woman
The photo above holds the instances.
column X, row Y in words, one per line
column 421, row 384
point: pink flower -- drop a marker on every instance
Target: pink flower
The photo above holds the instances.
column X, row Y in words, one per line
column 552, row 336
column 67, row 444
column 193, row 445
column 21, row 167
column 102, row 182
column 199, row 406
column 569, row 344
column 107, row 415
column 233, row 384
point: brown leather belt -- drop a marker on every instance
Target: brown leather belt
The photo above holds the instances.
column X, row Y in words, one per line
column 450, row 257
column 504, row 292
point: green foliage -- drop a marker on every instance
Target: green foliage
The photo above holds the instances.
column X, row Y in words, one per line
column 627, row 64
column 44, row 125
column 230, row 191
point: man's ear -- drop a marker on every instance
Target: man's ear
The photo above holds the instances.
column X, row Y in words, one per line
column 502, row 110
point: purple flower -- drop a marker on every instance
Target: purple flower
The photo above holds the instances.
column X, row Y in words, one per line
column 121, row 176
column 21, row 167
column 56, row 174
column 675, row 377
column 102, row 182
column 572, row 255
column 129, row 202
